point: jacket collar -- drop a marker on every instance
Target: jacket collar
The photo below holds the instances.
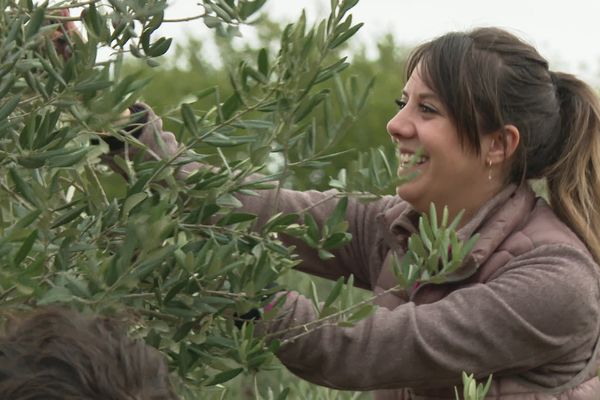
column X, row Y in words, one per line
column 494, row 221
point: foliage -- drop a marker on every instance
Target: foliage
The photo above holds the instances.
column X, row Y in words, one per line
column 471, row 389
column 176, row 257
column 362, row 151
column 433, row 253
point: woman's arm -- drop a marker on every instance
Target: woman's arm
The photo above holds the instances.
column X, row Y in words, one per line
column 354, row 258
column 544, row 308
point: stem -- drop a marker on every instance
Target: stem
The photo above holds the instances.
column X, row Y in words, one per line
column 22, row 200
column 155, row 314
column 184, row 148
column 325, row 321
column 185, row 19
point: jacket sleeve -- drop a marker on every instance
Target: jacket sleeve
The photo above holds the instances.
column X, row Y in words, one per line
column 355, row 258
column 543, row 307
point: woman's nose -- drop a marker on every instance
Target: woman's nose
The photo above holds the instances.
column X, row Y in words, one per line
column 401, row 125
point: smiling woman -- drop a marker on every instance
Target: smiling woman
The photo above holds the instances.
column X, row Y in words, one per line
column 424, row 126
column 480, row 114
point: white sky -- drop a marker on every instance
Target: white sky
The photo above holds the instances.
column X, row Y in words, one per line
column 566, row 33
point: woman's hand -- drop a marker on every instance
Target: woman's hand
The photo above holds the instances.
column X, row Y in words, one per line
column 63, row 35
column 141, row 122
column 162, row 145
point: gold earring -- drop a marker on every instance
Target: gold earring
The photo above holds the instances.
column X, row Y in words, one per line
column 489, row 162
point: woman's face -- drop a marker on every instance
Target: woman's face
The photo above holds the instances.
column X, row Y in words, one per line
column 446, row 173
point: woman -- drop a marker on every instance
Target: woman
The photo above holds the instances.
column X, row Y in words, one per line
column 487, row 115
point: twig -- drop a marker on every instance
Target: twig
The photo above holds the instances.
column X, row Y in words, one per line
column 185, row 19
column 325, row 320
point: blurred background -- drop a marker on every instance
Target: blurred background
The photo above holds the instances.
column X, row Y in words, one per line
column 567, row 34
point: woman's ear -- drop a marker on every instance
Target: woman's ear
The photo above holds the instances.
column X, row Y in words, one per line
column 502, row 144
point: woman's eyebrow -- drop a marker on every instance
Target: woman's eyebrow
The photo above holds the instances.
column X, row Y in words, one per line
column 422, row 95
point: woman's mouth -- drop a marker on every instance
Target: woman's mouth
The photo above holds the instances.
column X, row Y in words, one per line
column 411, row 159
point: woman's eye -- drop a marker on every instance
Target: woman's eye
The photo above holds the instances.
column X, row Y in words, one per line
column 400, row 103
column 427, row 109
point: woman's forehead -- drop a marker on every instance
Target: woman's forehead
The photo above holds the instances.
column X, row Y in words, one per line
column 417, row 86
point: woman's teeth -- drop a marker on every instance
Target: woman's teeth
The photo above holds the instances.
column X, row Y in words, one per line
column 407, row 159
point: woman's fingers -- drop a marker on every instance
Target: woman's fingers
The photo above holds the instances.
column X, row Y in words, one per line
column 62, row 36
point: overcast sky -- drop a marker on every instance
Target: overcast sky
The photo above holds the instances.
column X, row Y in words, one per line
column 567, row 33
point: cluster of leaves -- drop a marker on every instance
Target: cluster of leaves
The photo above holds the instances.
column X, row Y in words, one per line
column 434, row 252
column 473, row 390
column 225, row 16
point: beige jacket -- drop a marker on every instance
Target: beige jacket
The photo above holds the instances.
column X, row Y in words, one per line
column 524, row 306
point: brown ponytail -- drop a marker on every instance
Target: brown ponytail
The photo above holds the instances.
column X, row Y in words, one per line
column 574, row 179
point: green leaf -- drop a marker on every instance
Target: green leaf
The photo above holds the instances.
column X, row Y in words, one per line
column 225, row 376
column 8, row 107
column 68, row 216
column 92, row 85
column 211, row 21
column 28, row 219
column 346, row 6
column 343, row 37
column 77, row 286
column 253, row 124
column 426, row 233
column 57, row 294
column 415, row 244
column 313, row 228
column 454, row 224
column 206, row 92
column 183, row 331
column 306, row 108
column 279, row 220
column 227, row 200
column 160, row 47
column 329, row 71
column 362, row 313
column 231, row 105
column 314, row 295
column 236, row 218
column 263, row 62
column 338, row 215
column 284, row 394
column 132, row 201
column 336, row 240
column 223, row 11
column 68, row 159
column 334, row 293
column 95, row 23
column 23, row 187
column 36, row 21
column 260, row 155
column 25, row 247
column 325, row 255
column 433, row 218
column 189, row 119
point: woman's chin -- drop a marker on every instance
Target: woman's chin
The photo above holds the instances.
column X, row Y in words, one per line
column 409, row 182
column 407, row 191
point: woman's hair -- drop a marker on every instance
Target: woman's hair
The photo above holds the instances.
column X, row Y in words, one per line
column 488, row 78
column 58, row 354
